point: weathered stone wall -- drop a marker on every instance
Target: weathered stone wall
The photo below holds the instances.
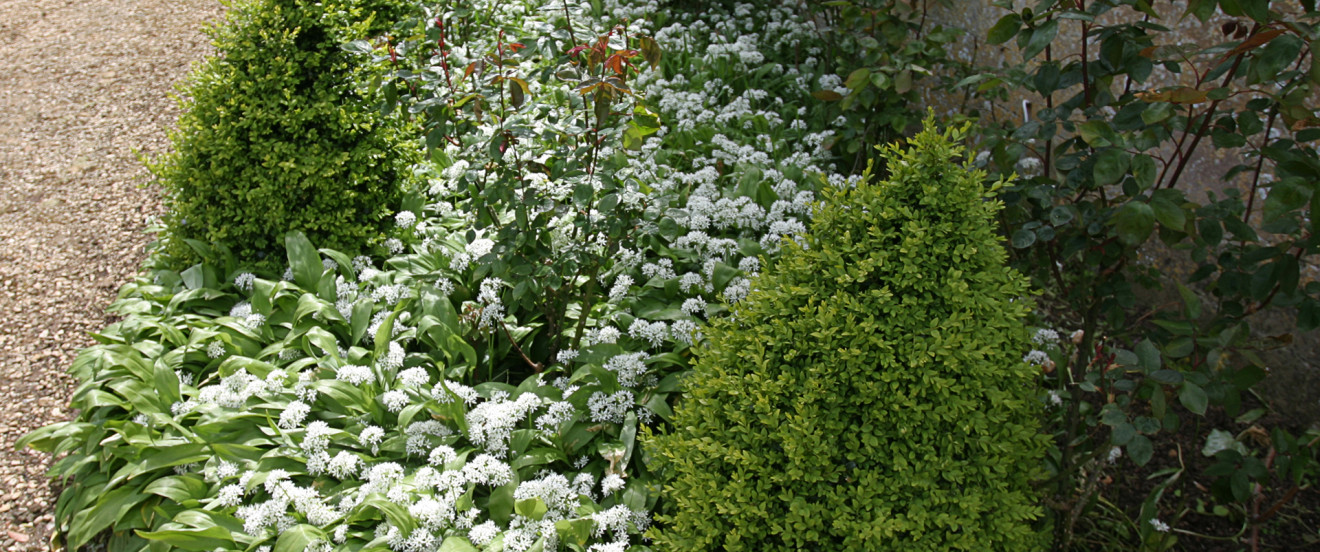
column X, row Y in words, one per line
column 1295, row 365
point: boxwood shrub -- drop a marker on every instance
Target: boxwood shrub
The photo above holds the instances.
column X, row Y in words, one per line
column 274, row 137
column 870, row 393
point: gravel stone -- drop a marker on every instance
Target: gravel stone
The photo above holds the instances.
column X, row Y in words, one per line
column 85, row 88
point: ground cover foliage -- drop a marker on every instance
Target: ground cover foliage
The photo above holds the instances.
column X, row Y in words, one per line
column 855, row 402
column 275, row 136
column 481, row 382
column 476, row 359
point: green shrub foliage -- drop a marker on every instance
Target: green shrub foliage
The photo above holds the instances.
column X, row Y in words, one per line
column 275, row 138
column 870, row 393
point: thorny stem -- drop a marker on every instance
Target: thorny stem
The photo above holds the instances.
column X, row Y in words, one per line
column 1260, row 164
column 1076, row 369
column 1186, row 155
column 536, row 366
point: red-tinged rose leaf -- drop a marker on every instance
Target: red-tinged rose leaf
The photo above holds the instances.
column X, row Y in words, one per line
column 650, row 51
column 1253, row 42
column 827, row 95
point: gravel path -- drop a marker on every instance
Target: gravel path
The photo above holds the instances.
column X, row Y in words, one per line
column 84, row 84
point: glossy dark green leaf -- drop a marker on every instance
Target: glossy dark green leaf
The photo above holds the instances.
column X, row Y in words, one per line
column 1193, row 397
column 1169, row 214
column 1143, row 171
column 1122, row 434
column 1111, row 166
column 1134, row 222
column 1148, row 356
column 1023, row 238
column 1191, row 302
column 1040, row 38
column 1140, row 449
column 1005, row 29
column 304, row 260
column 1060, row 215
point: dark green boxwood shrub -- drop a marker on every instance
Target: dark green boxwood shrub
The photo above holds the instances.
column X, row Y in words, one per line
column 870, row 393
column 276, row 137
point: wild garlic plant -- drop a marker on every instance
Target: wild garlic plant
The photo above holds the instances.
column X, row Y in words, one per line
column 479, row 386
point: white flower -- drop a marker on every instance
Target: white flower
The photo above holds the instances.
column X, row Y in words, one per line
column 414, row 377
column 737, row 289
column 694, row 306
column 371, row 436
column 653, row 333
column 344, row 465
column 294, row 414
column 628, row 366
column 1055, row 398
column 566, row 356
column 244, row 281
column 605, row 334
column 229, row 496
column 611, row 484
column 216, row 349
column 483, row 533
column 1114, row 454
column 394, row 246
column 620, row 289
column 393, row 359
column 614, row 520
column 491, row 424
column 442, row 455
column 487, row 470
column 394, row 400
column 1045, row 336
column 354, row 374
column 1159, row 525
column 610, row 408
column 686, row 331
column 1036, row 358
column 405, row 219
column 556, row 415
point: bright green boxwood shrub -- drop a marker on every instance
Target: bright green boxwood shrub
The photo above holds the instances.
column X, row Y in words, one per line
column 870, row 393
column 275, row 136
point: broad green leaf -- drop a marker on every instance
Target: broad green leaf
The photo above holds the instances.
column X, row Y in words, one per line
column 304, row 260
column 1169, row 214
column 179, row 488
column 457, row 544
column 501, row 503
column 109, row 509
column 210, row 538
column 1005, row 29
column 1191, row 301
column 1143, row 171
column 577, row 531
column 1141, row 449
column 1040, row 38
column 298, row 539
column 1111, row 166
column 533, row 508
column 1148, row 356
column 1122, row 434
column 1134, row 222
column 1193, row 397
column 1023, row 238
column 1098, row 134
column 858, row 78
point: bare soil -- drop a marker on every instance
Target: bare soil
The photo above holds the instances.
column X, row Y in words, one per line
column 85, row 88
